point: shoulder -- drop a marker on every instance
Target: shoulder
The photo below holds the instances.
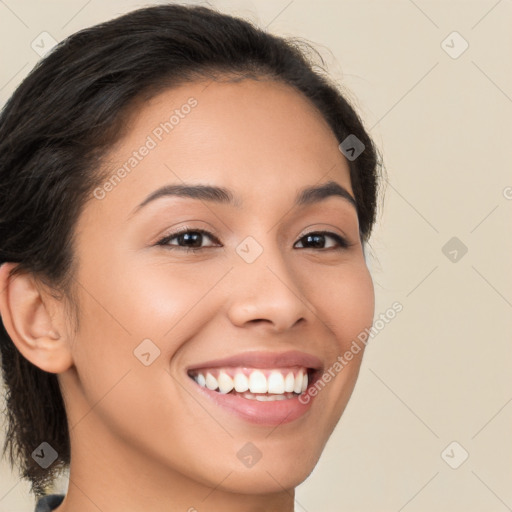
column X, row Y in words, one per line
column 49, row 502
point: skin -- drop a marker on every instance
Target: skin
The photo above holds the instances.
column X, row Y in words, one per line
column 142, row 437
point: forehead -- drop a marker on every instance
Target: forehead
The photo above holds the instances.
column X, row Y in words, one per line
column 262, row 139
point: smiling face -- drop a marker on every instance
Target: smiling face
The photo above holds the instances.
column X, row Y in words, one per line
column 162, row 327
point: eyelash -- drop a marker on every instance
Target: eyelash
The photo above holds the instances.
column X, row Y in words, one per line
column 342, row 242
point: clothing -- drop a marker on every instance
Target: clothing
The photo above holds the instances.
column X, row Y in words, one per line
column 49, row 502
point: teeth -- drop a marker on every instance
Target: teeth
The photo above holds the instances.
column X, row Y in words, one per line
column 304, row 382
column 267, row 398
column 297, row 388
column 211, row 382
column 258, row 382
column 270, row 398
column 241, row 382
column 289, row 382
column 225, row 382
column 278, row 384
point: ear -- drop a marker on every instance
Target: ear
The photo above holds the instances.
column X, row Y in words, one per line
column 32, row 318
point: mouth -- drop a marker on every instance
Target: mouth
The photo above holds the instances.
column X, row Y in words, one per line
column 262, row 384
column 262, row 388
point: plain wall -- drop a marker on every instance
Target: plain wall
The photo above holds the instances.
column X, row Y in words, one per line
column 440, row 371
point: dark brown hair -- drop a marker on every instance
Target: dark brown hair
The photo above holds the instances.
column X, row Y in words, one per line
column 64, row 117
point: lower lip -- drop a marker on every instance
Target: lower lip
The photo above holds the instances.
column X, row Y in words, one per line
column 277, row 412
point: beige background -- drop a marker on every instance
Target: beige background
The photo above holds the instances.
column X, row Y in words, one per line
column 440, row 371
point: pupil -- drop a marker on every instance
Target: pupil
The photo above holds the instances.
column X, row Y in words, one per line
column 188, row 236
column 317, row 243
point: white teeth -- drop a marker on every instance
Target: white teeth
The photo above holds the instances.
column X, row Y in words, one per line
column 241, row 382
column 289, row 382
column 276, row 383
column 269, row 398
column 297, row 388
column 304, row 382
column 225, row 382
column 211, row 382
column 258, row 382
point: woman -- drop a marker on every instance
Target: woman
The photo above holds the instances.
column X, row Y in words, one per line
column 185, row 207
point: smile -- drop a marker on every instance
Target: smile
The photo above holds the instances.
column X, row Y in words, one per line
column 263, row 388
column 268, row 384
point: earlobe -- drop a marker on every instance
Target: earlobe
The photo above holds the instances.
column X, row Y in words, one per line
column 26, row 315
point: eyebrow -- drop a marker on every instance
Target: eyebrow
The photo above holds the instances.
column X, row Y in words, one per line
column 221, row 195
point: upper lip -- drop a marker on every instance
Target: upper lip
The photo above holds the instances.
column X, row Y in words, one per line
column 259, row 359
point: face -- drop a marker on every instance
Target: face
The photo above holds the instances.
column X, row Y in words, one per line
column 200, row 315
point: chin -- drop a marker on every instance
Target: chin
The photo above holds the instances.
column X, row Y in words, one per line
column 268, row 478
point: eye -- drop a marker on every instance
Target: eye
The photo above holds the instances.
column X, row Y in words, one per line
column 192, row 238
column 317, row 238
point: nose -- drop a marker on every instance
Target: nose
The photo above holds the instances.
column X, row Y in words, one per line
column 266, row 292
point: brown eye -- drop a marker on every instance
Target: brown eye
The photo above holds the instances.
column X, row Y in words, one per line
column 190, row 238
column 317, row 240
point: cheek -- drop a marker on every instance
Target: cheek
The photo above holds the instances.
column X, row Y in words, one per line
column 346, row 305
column 132, row 302
column 124, row 307
column 345, row 301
